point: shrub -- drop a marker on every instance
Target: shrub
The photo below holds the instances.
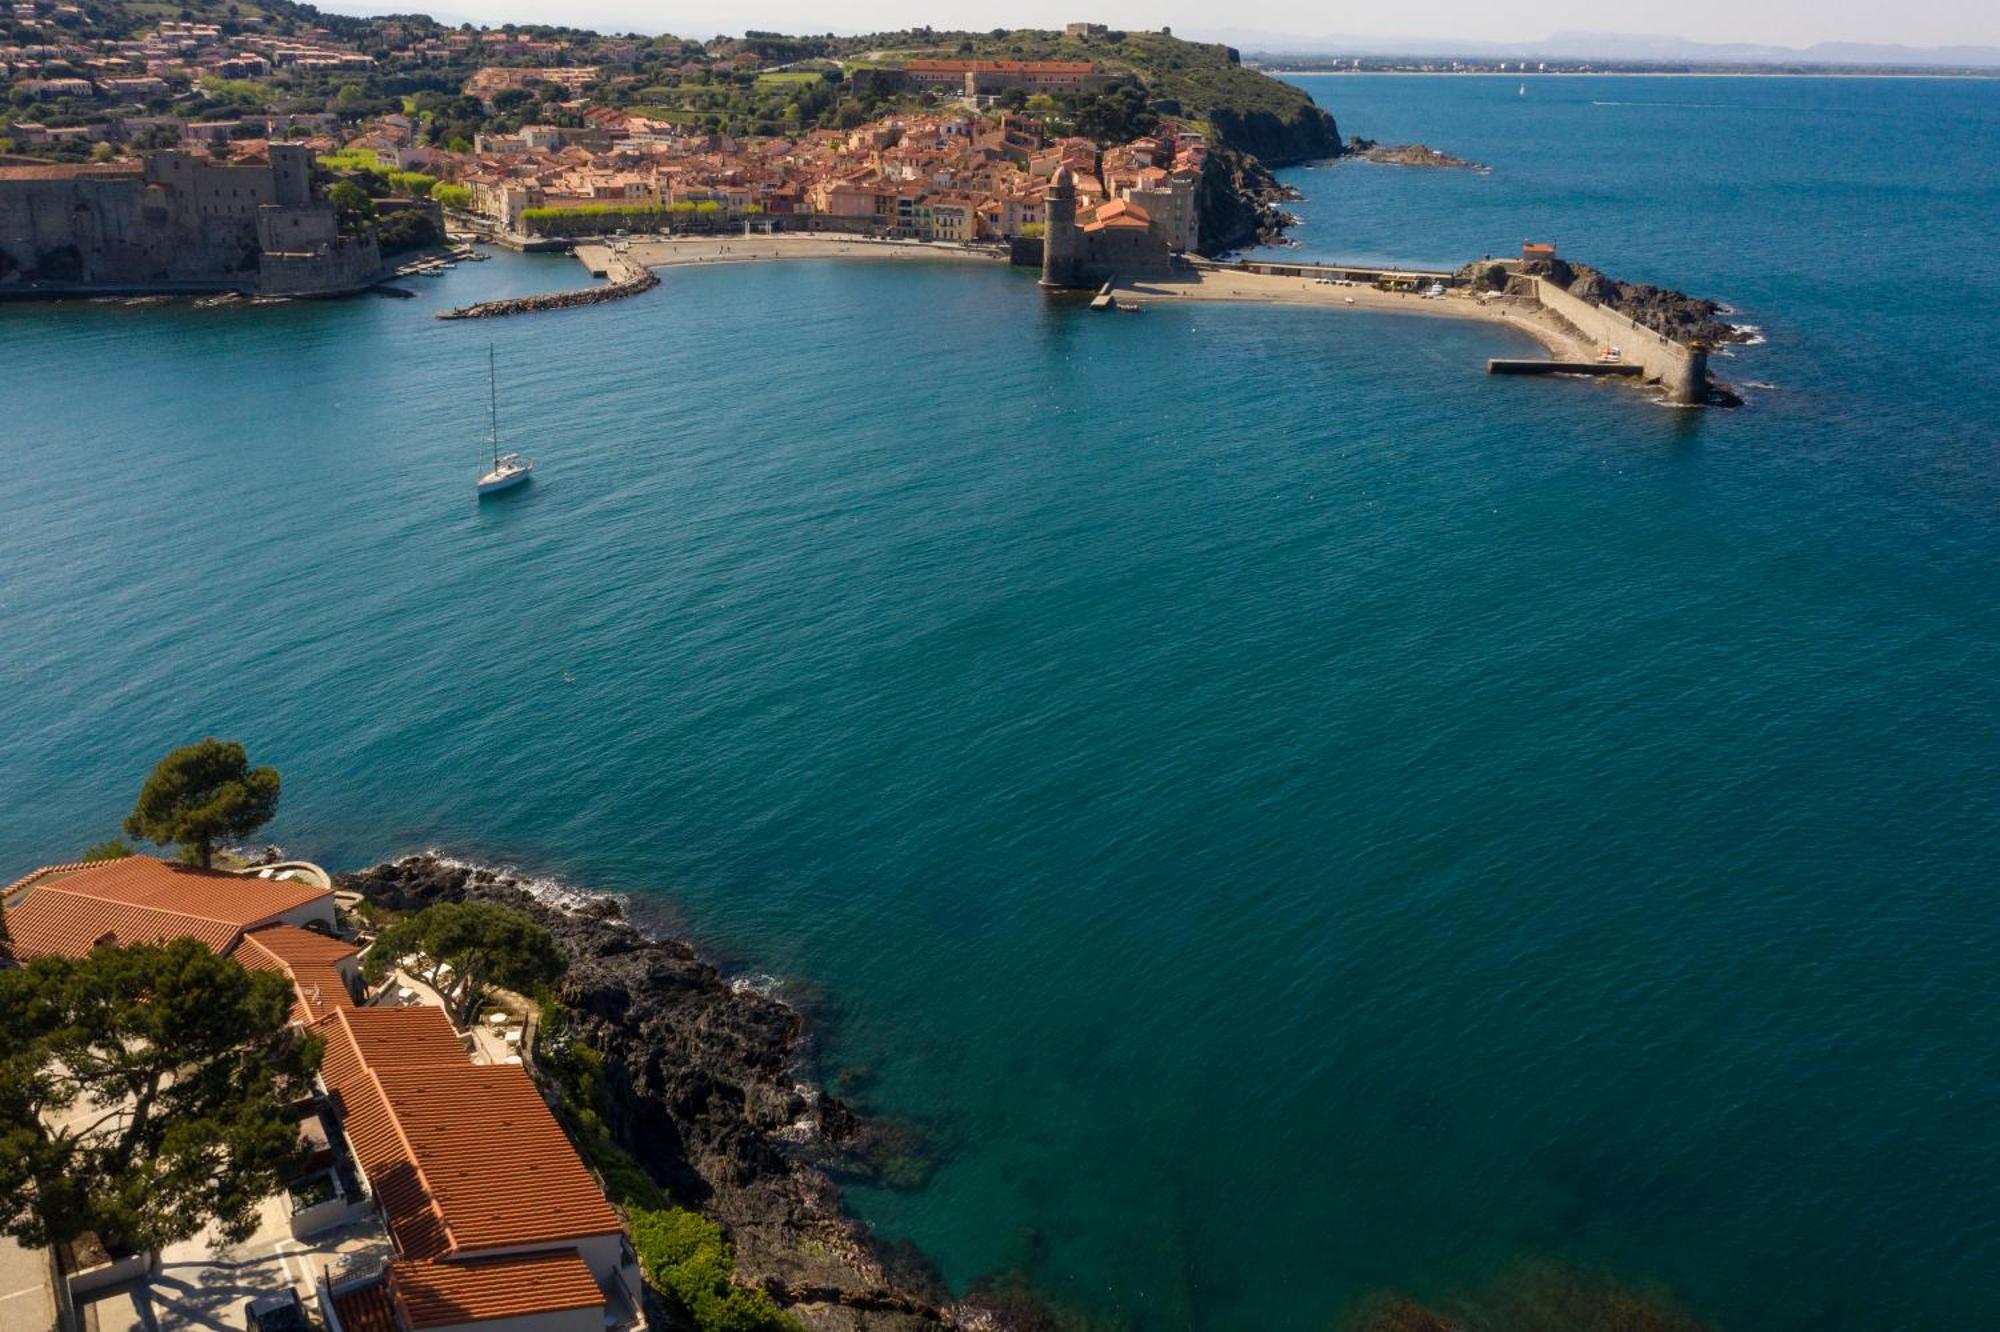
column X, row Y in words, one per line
column 412, row 182
column 687, row 1260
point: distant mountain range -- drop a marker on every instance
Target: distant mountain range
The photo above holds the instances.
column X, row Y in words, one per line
column 1610, row 46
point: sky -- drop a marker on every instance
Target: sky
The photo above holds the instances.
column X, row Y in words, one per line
column 1778, row 22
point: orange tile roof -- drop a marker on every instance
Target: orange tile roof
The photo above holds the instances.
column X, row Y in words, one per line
column 461, row 1156
column 366, row 1309
column 443, row 1294
column 166, row 885
column 379, row 1147
column 72, row 927
column 500, row 1169
column 143, row 900
column 312, row 962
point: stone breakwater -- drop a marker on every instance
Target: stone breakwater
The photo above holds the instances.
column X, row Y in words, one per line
column 707, row 1094
column 629, row 279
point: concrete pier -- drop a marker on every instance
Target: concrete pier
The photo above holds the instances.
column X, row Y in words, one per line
column 1501, row 365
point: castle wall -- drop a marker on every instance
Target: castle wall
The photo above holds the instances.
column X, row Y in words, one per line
column 1681, row 370
column 181, row 222
column 346, row 265
column 105, row 231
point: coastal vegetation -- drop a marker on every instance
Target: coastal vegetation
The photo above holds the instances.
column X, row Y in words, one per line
column 201, row 794
column 140, row 1095
column 462, row 948
column 685, row 1256
column 358, row 161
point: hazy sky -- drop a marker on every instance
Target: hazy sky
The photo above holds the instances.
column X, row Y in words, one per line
column 1783, row 22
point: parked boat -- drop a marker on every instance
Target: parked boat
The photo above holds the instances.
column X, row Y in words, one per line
column 509, row 469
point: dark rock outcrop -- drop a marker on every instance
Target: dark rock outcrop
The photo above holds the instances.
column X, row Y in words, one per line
column 1674, row 313
column 1408, row 154
column 1306, row 135
column 1239, row 198
column 707, row 1094
column 1238, row 203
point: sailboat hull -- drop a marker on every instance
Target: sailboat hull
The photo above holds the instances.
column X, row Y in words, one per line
column 495, row 482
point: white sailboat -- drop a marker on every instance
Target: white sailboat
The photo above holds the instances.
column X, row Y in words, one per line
column 509, row 469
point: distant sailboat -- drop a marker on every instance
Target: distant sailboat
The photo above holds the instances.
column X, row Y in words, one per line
column 1524, row 90
column 509, row 469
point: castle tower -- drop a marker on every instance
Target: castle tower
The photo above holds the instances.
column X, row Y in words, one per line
column 1062, row 244
column 1688, row 386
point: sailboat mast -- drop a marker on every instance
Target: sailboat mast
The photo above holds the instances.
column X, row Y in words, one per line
column 493, row 405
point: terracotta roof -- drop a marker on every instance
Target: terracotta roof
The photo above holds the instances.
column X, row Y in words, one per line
column 444, row 1294
column 311, row 960
column 72, row 927
column 34, row 874
column 500, row 1170
column 384, row 1155
column 241, row 899
column 143, row 900
column 366, row 1309
column 461, row 1156
column 1120, row 213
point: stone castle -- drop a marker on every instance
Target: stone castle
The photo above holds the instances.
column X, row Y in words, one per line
column 1136, row 235
column 178, row 221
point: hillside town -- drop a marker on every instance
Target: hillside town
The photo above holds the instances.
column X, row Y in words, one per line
column 111, row 145
column 959, row 175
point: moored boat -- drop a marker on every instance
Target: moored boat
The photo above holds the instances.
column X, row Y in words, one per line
column 509, row 469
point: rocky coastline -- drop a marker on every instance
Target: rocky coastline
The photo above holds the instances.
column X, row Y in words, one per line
column 709, row 1094
column 1241, row 204
column 1240, row 201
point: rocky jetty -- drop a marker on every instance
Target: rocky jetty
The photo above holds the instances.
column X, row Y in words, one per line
column 635, row 279
column 1674, row 313
column 709, row 1096
column 1409, row 154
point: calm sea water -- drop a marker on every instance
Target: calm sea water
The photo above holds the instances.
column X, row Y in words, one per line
column 1286, row 814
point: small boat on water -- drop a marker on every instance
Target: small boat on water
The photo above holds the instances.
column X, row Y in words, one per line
column 509, row 469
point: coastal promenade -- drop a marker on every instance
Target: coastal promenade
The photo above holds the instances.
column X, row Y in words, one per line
column 681, row 251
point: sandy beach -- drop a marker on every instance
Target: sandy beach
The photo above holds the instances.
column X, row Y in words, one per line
column 1208, row 283
column 1216, row 284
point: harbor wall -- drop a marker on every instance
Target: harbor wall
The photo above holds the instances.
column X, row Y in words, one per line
column 1681, row 370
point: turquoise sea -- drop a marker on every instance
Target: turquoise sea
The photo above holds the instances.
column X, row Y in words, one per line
column 1286, row 815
